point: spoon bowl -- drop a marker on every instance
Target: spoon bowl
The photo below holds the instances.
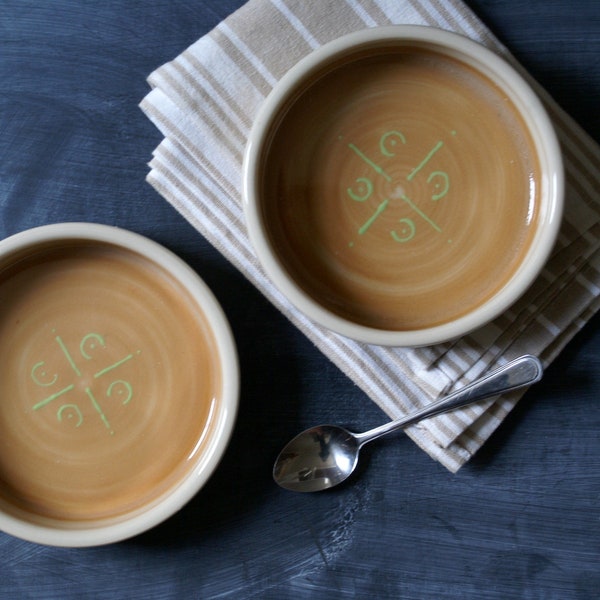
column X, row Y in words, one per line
column 323, row 456
column 317, row 459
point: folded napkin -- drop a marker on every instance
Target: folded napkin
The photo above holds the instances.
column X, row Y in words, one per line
column 204, row 103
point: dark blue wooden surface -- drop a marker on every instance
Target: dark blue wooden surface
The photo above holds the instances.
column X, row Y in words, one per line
column 522, row 520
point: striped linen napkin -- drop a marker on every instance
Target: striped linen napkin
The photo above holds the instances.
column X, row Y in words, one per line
column 204, row 103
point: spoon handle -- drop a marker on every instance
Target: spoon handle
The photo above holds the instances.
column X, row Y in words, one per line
column 518, row 373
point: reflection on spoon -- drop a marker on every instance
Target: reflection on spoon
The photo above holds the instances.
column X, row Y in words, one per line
column 323, row 456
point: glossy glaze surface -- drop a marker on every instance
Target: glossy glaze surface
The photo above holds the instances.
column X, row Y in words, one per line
column 401, row 189
column 108, row 381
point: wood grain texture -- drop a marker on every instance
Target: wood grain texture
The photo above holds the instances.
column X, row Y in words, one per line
column 521, row 520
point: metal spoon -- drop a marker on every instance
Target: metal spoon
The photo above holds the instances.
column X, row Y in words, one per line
column 323, row 456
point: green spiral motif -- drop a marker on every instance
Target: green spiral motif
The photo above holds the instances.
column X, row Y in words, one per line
column 445, row 179
column 368, row 187
column 119, row 392
column 390, row 139
column 43, row 374
column 73, row 411
column 92, row 338
column 408, row 231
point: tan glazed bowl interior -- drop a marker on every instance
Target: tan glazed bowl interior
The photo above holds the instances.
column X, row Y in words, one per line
column 143, row 398
column 277, row 233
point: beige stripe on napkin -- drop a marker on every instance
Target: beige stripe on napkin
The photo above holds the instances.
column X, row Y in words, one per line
column 204, row 103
